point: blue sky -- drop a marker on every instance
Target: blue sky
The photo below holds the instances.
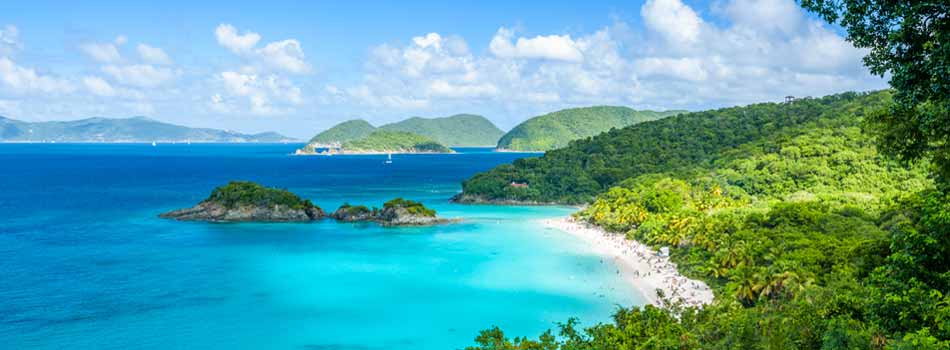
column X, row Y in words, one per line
column 299, row 67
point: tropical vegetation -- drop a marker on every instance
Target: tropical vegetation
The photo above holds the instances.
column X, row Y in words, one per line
column 555, row 130
column 678, row 144
column 246, row 193
column 396, row 142
column 411, row 206
column 460, row 130
column 343, row 132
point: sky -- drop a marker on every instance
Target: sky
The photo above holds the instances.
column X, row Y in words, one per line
column 298, row 67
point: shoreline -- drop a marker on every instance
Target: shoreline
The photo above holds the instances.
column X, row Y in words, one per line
column 643, row 268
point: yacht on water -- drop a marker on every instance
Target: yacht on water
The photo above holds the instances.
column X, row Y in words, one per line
column 389, row 160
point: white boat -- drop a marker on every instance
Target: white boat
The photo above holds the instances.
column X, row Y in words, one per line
column 153, row 143
column 390, row 159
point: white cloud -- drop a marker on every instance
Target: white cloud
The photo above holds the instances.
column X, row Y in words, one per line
column 153, row 55
column 26, row 80
column 780, row 15
column 265, row 95
column 102, row 52
column 672, row 19
column 764, row 50
column 690, row 69
column 552, row 47
column 140, row 75
column 229, row 37
column 284, row 55
column 98, row 86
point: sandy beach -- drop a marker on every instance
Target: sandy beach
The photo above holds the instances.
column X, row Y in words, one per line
column 645, row 269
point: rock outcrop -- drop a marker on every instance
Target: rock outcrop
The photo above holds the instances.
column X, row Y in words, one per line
column 397, row 212
column 249, row 202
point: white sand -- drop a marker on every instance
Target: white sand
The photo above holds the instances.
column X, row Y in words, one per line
column 644, row 268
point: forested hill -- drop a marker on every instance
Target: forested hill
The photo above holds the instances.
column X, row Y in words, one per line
column 586, row 167
column 555, row 130
column 382, row 141
column 461, row 130
column 809, row 238
column 345, row 131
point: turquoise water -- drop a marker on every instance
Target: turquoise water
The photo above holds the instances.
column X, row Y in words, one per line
column 86, row 264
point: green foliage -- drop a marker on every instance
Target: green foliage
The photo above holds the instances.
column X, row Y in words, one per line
column 356, row 210
column 555, row 130
column 393, row 141
column 809, row 238
column 413, row 207
column 910, row 42
column 345, row 131
column 239, row 193
column 690, row 143
column 462, row 130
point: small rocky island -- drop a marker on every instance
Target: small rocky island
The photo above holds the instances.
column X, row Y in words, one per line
column 397, row 212
column 242, row 201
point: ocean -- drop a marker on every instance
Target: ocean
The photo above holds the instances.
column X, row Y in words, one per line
column 85, row 263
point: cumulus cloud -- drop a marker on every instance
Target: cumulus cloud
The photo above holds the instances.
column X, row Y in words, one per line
column 672, row 19
column 259, row 87
column 229, row 38
column 286, row 55
column 265, row 95
column 140, row 75
column 758, row 51
column 104, row 52
column 552, row 47
column 98, row 86
column 153, row 55
column 22, row 80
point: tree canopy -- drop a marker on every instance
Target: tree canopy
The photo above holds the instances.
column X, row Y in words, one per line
column 910, row 41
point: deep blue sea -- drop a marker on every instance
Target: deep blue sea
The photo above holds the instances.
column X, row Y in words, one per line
column 86, row 264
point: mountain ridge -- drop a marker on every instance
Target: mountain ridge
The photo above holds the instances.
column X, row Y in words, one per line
column 122, row 130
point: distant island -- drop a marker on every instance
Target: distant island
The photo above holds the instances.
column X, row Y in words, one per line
column 244, row 201
column 557, row 129
column 380, row 142
column 461, row 130
column 136, row 129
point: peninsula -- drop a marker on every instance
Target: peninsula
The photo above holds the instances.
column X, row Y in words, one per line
column 379, row 142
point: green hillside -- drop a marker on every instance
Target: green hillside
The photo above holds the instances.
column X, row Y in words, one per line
column 345, row 131
column 462, row 130
column 809, row 238
column 587, row 167
column 555, row 130
column 395, row 142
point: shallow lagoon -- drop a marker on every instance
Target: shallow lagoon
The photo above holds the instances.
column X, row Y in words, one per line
column 87, row 264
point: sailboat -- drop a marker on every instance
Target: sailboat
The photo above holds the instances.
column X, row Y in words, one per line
column 390, row 159
column 153, row 143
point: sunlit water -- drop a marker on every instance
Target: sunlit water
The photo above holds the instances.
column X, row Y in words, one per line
column 86, row 264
